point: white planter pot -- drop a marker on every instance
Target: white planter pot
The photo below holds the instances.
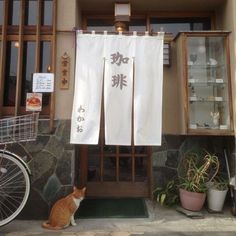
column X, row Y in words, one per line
column 216, row 199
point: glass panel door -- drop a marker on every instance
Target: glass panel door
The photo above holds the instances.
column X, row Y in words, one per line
column 31, row 12
column 1, row 12
column 207, row 83
column 28, row 68
column 10, row 73
column 14, row 12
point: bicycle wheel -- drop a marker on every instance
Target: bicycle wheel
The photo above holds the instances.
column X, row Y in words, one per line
column 14, row 187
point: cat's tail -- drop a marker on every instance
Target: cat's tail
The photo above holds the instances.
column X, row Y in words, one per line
column 47, row 225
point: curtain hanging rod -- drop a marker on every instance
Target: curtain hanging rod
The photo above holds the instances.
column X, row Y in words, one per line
column 114, row 32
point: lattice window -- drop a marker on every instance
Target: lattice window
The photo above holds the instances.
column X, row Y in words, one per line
column 27, row 45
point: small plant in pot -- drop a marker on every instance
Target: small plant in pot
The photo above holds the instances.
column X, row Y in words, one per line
column 167, row 194
column 195, row 170
column 216, row 193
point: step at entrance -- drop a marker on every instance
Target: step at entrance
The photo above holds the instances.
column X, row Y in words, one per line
column 112, row 208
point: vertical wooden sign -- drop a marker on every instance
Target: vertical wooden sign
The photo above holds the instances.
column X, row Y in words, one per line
column 65, row 71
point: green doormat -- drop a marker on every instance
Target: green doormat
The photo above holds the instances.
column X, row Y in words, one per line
column 112, row 208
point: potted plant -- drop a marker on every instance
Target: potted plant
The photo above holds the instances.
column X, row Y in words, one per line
column 195, row 171
column 167, row 194
column 216, row 193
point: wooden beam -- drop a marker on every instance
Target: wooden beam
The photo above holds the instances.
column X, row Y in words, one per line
column 52, row 100
column 228, row 74
column 117, row 189
column 83, row 164
column 150, row 171
column 117, row 164
column 3, row 54
column 102, row 134
column 19, row 58
column 37, row 54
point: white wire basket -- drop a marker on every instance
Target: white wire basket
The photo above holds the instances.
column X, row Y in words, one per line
column 19, row 128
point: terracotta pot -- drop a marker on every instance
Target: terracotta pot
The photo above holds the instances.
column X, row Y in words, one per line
column 192, row 201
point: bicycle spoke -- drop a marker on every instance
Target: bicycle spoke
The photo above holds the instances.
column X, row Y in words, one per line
column 16, row 183
column 4, row 214
column 8, row 203
column 7, row 211
column 14, row 187
column 10, row 171
column 14, row 176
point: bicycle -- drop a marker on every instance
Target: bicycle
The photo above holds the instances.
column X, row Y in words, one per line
column 14, row 171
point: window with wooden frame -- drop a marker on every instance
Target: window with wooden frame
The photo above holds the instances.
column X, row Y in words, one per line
column 136, row 24
column 27, row 46
column 176, row 24
column 173, row 25
column 169, row 23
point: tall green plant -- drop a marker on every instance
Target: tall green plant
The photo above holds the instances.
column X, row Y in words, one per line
column 197, row 170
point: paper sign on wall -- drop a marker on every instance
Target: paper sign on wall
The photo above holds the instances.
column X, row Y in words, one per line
column 33, row 101
column 43, row 82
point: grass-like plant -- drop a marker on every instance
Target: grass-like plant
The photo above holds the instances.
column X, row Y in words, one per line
column 220, row 183
column 167, row 195
column 197, row 170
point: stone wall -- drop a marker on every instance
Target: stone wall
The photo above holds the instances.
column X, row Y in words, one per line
column 51, row 160
column 167, row 157
column 52, row 163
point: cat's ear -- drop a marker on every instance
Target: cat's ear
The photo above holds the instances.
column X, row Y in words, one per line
column 74, row 188
column 84, row 189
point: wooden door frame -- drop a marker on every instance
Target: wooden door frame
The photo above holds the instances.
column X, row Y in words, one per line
column 112, row 189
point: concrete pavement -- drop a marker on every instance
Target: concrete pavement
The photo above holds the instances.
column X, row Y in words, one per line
column 162, row 221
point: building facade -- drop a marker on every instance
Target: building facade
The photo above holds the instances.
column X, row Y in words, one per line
column 39, row 36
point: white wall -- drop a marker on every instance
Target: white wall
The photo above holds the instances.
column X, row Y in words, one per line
column 68, row 17
column 226, row 20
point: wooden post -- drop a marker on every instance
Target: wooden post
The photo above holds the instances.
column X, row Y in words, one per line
column 83, row 163
column 52, row 101
column 20, row 58
column 3, row 54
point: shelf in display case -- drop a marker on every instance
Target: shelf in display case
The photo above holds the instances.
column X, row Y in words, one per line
column 212, row 99
column 207, row 126
column 202, row 128
column 204, row 66
column 200, row 82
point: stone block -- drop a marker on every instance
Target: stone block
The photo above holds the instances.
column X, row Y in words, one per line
column 51, row 188
column 162, row 175
column 63, row 131
column 36, row 207
column 20, row 150
column 174, row 141
column 159, row 158
column 37, row 145
column 55, row 147
column 44, row 126
column 172, row 158
column 163, row 146
column 65, row 168
column 42, row 167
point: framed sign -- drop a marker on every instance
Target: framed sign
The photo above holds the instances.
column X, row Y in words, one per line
column 65, row 71
column 33, row 101
column 43, row 82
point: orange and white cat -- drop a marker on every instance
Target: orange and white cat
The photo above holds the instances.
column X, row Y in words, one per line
column 62, row 212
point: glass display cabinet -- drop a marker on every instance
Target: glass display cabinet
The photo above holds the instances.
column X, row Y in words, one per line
column 207, row 85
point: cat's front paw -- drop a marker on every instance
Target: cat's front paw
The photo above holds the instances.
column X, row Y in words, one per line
column 73, row 223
